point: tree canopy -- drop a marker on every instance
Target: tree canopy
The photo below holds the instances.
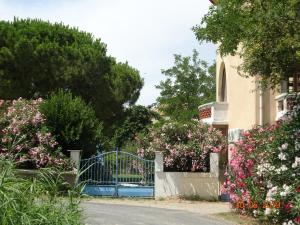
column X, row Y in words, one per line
column 138, row 119
column 37, row 58
column 189, row 83
column 265, row 33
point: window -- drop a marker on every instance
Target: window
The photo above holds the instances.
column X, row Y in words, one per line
column 223, row 97
column 294, row 83
column 291, row 85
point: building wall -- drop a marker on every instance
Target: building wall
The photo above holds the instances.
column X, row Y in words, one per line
column 241, row 93
column 243, row 96
column 269, row 109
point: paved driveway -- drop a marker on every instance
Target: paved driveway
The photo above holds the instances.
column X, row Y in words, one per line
column 124, row 214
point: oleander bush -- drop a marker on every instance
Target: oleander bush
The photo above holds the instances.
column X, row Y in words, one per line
column 26, row 140
column 264, row 176
column 185, row 146
column 37, row 201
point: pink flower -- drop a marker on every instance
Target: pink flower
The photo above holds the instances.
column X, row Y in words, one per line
column 16, row 130
column 18, row 148
column 234, row 197
column 297, row 220
column 288, row 206
column 249, row 164
column 246, row 134
column 216, row 150
column 37, row 119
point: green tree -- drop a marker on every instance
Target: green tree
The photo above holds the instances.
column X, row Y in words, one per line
column 188, row 85
column 37, row 58
column 138, row 119
column 265, row 33
column 72, row 122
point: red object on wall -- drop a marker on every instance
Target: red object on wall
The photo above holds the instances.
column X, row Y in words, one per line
column 205, row 113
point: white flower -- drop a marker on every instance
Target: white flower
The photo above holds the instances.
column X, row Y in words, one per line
column 282, row 193
column 260, row 170
column 286, row 190
column 283, row 168
column 282, row 156
column 254, row 213
column 268, row 211
column 274, row 189
column 286, row 187
column 284, row 146
column 271, row 192
column 269, row 184
column 288, row 223
column 296, row 163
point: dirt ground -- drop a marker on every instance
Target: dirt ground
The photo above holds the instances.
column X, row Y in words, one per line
column 201, row 207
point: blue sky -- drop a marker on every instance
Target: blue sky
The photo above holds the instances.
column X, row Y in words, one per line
column 146, row 33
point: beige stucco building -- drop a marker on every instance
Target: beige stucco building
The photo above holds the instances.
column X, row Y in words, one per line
column 240, row 104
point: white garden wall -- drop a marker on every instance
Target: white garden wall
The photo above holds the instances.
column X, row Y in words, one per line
column 176, row 184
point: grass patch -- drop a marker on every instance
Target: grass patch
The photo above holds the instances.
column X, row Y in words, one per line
column 128, row 176
column 36, row 201
column 197, row 198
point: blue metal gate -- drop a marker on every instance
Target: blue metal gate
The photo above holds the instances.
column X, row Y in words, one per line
column 119, row 174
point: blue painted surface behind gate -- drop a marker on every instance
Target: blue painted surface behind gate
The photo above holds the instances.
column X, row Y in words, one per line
column 97, row 190
column 118, row 173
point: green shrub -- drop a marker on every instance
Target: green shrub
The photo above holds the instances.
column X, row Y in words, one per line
column 72, row 121
column 37, row 201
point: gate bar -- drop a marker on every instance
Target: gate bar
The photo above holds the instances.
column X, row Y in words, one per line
column 117, row 169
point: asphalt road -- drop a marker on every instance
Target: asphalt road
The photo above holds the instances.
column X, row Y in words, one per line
column 117, row 214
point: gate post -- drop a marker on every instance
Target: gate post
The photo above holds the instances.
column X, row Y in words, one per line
column 158, row 171
column 214, row 164
column 75, row 157
column 159, row 162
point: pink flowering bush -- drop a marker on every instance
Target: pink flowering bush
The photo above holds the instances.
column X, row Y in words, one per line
column 264, row 176
column 26, row 140
column 186, row 147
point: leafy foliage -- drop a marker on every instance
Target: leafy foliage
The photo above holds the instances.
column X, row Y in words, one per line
column 268, row 32
column 37, row 201
column 138, row 120
column 187, row 86
column 37, row 58
column 72, row 122
column 186, row 146
column 26, row 140
column 265, row 170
